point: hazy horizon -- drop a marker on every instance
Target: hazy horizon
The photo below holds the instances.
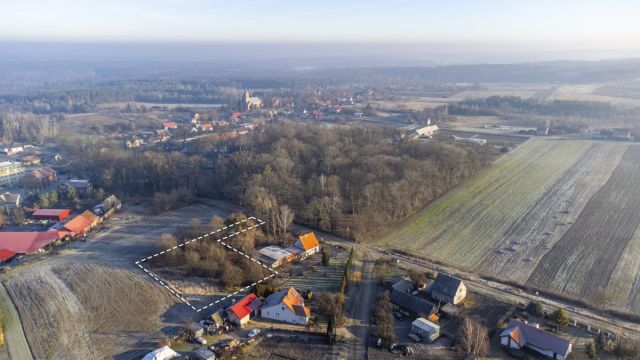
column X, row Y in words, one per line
column 406, row 31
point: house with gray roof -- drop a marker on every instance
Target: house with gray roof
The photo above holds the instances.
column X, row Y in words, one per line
column 448, row 289
column 520, row 335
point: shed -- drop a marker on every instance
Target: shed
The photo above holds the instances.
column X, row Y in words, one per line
column 51, row 214
column 196, row 330
column 425, row 329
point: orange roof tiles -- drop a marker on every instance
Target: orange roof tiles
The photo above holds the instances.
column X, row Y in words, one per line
column 308, row 241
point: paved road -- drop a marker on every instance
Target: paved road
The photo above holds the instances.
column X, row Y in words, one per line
column 13, row 333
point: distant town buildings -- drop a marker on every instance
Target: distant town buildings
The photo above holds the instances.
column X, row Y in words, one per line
column 39, row 178
column 10, row 173
column 249, row 102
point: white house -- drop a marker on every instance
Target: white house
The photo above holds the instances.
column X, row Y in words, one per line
column 425, row 329
column 308, row 244
column 520, row 334
column 286, row 306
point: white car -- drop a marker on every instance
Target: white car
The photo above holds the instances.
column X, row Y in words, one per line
column 201, row 341
column 253, row 333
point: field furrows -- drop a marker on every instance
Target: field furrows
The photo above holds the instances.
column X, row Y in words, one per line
column 527, row 239
column 585, row 258
column 465, row 224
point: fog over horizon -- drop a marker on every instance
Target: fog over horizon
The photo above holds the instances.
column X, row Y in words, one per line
column 299, row 55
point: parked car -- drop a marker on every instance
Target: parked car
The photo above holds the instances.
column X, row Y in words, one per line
column 253, row 333
column 201, row 341
column 414, row 337
column 269, row 335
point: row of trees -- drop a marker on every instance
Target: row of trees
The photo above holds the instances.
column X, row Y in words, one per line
column 501, row 105
column 27, row 127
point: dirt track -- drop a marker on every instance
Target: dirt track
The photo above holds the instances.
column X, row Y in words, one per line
column 91, row 302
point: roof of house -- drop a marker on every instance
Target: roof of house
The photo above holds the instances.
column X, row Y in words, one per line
column 6, row 254
column 78, row 224
column 91, row 217
column 162, row 353
column 527, row 334
column 26, row 242
column 169, row 124
column 78, row 183
column 425, row 324
column 290, row 298
column 308, row 241
column 275, row 252
column 10, row 197
column 245, row 306
column 51, row 212
column 446, row 284
column 400, row 295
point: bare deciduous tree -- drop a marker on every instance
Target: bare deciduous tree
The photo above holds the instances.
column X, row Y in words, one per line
column 473, row 338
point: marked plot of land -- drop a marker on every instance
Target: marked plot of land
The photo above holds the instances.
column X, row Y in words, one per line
column 222, row 237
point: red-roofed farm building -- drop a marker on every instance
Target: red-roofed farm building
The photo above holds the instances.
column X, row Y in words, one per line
column 13, row 243
column 240, row 312
column 51, row 214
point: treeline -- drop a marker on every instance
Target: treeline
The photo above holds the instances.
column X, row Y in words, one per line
column 146, row 173
column 27, row 127
column 504, row 105
column 354, row 182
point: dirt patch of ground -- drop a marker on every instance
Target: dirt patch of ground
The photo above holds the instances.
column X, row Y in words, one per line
column 92, row 302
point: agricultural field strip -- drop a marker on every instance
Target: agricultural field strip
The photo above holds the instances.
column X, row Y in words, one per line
column 166, row 284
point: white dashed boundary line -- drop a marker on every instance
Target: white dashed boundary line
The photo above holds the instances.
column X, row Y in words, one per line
column 165, row 284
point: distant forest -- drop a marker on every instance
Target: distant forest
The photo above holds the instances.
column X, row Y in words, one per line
column 355, row 182
column 501, row 105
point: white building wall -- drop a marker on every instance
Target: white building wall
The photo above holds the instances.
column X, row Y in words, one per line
column 282, row 313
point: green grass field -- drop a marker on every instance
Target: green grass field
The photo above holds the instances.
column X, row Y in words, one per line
column 461, row 226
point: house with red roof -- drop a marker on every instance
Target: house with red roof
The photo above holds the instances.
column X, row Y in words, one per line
column 13, row 243
column 169, row 125
column 242, row 311
column 308, row 243
column 51, row 214
column 519, row 335
column 286, row 306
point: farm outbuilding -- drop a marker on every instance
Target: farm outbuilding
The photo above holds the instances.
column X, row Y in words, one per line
column 13, row 243
column 51, row 214
column 425, row 329
column 276, row 256
column 163, row 353
column 401, row 295
column 82, row 223
column 240, row 312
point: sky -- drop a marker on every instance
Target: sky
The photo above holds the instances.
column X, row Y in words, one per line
column 541, row 24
